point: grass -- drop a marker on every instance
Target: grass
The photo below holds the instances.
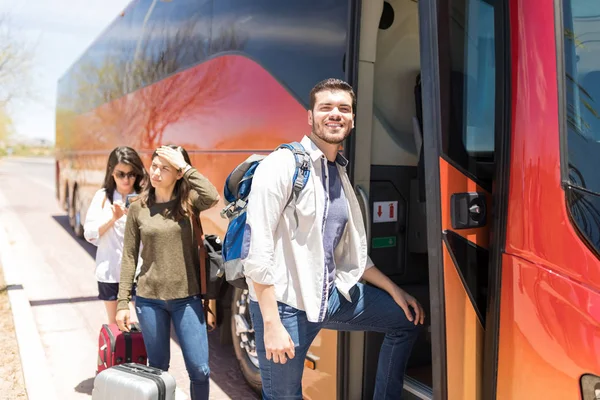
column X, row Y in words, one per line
column 12, row 384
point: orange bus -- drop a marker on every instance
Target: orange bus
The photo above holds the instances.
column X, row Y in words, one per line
column 474, row 156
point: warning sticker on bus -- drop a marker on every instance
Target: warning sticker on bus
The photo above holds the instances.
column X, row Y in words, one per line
column 385, row 211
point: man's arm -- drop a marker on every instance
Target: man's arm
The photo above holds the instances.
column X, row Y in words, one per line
column 271, row 187
column 377, row 278
column 278, row 343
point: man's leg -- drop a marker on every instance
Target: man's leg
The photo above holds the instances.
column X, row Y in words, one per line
column 374, row 310
column 284, row 381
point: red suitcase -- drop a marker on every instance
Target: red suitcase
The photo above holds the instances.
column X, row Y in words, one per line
column 116, row 347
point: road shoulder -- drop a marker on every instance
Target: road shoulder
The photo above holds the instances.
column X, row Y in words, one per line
column 36, row 371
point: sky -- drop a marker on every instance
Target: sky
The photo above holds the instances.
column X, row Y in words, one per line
column 59, row 31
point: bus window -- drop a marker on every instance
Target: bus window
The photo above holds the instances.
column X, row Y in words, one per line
column 581, row 20
column 299, row 43
column 480, row 70
column 470, row 142
column 171, row 37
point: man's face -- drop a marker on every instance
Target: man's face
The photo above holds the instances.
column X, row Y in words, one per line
column 332, row 118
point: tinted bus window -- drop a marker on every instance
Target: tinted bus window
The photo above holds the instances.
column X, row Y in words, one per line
column 299, row 43
column 470, row 141
column 581, row 20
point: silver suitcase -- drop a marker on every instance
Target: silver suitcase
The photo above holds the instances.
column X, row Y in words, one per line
column 133, row 381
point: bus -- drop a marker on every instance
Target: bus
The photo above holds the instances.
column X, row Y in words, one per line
column 474, row 157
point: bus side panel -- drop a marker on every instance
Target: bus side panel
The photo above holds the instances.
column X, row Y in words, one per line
column 319, row 383
column 550, row 301
column 464, row 337
column 550, row 333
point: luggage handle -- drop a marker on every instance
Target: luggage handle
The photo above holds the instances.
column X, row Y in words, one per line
column 133, row 328
column 143, row 368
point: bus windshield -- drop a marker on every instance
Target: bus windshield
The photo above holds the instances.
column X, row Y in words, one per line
column 581, row 20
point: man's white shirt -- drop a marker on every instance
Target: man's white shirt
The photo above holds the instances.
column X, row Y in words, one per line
column 290, row 256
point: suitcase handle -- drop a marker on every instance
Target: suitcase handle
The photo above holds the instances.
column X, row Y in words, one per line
column 135, row 327
column 143, row 368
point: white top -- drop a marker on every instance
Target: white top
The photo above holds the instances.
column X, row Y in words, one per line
column 295, row 265
column 110, row 245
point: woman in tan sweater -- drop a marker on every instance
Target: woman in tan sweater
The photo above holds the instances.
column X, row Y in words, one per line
column 168, row 286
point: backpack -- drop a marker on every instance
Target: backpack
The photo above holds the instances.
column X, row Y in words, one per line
column 236, row 191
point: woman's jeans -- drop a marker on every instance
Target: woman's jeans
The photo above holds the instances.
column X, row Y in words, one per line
column 188, row 320
column 371, row 310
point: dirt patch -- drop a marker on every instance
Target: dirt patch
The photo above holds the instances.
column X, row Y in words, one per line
column 12, row 385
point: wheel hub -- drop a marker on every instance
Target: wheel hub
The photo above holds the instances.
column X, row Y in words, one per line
column 244, row 330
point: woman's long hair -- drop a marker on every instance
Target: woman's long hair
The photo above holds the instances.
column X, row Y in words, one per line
column 182, row 206
column 124, row 155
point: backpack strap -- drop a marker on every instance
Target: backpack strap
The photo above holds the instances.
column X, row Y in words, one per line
column 199, row 235
column 301, row 174
column 302, row 171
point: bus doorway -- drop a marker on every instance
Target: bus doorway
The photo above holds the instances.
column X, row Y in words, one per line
column 426, row 129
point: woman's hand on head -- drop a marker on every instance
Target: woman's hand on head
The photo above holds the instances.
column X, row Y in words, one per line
column 172, row 156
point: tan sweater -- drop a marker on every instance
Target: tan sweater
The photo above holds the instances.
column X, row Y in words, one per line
column 170, row 268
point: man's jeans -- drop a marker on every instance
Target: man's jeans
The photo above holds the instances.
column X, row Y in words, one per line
column 371, row 310
column 188, row 320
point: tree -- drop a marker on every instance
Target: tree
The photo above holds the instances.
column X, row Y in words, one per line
column 5, row 127
column 15, row 65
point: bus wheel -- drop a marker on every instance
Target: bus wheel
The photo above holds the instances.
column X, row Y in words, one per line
column 77, row 223
column 242, row 334
column 70, row 209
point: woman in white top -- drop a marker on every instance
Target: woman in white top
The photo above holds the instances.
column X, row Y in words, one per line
column 105, row 222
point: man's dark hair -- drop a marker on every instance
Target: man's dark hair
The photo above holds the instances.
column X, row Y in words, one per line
column 331, row 84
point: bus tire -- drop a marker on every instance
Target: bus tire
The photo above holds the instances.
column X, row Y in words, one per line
column 69, row 207
column 242, row 335
column 77, row 223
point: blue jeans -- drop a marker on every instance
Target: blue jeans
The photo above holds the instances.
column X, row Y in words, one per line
column 371, row 310
column 188, row 320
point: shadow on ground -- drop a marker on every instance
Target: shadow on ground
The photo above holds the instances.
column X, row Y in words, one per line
column 85, row 386
column 63, row 221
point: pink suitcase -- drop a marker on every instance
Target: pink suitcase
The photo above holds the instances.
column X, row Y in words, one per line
column 116, row 347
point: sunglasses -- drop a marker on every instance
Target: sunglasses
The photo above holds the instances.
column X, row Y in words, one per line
column 123, row 175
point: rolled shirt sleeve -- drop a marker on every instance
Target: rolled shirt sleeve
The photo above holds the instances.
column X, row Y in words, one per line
column 94, row 218
column 271, row 188
column 369, row 263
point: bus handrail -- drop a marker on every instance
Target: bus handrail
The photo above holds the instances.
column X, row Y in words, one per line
column 365, row 200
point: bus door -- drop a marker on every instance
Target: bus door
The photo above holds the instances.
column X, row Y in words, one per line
column 423, row 158
column 462, row 53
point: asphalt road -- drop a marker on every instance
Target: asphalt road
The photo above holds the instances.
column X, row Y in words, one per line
column 57, row 272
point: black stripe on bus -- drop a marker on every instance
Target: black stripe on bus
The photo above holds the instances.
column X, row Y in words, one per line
column 471, row 262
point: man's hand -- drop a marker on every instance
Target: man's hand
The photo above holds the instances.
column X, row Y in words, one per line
column 278, row 343
column 404, row 300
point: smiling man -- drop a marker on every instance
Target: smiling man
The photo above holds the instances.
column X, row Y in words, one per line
column 303, row 261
